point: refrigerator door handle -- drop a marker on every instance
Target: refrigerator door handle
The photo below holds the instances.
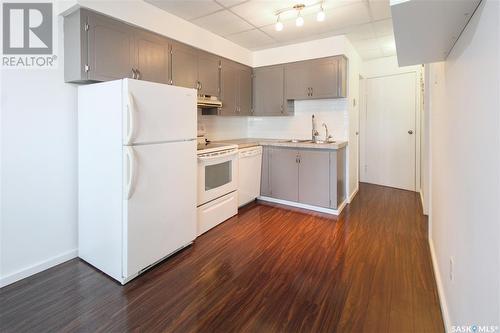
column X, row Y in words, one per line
column 131, row 171
column 131, row 119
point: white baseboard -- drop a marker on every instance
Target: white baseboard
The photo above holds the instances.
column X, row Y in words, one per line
column 37, row 268
column 424, row 210
column 439, row 283
column 353, row 194
column 304, row 206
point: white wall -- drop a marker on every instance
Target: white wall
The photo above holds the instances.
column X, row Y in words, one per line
column 301, row 51
column 224, row 128
column 330, row 111
column 39, row 170
column 464, row 170
column 355, row 66
column 384, row 66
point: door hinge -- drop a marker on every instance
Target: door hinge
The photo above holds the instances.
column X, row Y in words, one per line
column 87, row 68
column 86, row 27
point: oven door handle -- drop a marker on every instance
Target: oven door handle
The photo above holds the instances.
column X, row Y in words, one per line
column 217, row 156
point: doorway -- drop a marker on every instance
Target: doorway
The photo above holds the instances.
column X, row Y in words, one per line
column 390, row 131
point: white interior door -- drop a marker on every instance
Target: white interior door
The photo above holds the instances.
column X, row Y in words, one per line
column 391, row 131
column 160, row 208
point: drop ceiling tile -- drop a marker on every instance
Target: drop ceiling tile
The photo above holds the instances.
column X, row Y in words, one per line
column 223, row 23
column 310, row 30
column 260, row 13
column 380, row 9
column 230, row 3
column 347, row 16
column 188, row 9
column 361, row 32
column 253, row 39
column 383, row 28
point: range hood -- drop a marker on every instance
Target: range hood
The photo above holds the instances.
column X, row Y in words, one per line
column 208, row 102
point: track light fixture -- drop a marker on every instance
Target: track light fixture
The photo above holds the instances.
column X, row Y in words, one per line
column 299, row 21
column 279, row 24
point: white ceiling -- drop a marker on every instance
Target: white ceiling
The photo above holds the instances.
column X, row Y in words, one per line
column 250, row 23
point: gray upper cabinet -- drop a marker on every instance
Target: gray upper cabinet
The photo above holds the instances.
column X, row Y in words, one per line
column 192, row 68
column 236, row 89
column 298, row 80
column 325, row 78
column 100, row 48
column 208, row 74
column 314, row 177
column 268, row 91
column 229, row 88
column 152, row 57
column 284, row 174
column 184, row 66
column 315, row 79
column 245, row 90
column 110, row 48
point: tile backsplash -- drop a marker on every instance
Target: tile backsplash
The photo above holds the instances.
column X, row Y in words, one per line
column 333, row 112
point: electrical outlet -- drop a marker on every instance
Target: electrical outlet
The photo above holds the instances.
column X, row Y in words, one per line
column 451, row 269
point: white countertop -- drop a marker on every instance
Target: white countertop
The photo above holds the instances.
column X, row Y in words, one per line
column 251, row 142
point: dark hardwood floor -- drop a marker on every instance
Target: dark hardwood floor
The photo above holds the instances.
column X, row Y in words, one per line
column 267, row 269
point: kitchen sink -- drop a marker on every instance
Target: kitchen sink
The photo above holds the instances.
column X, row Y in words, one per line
column 309, row 141
column 297, row 141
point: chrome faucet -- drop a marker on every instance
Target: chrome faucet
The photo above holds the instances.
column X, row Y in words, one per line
column 327, row 134
column 315, row 132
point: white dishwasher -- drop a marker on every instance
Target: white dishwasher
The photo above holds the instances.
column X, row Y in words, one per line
column 250, row 163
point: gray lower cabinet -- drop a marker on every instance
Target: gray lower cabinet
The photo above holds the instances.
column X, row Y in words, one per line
column 314, row 177
column 236, row 89
column 338, row 177
column 265, row 184
column 284, row 174
column 268, row 91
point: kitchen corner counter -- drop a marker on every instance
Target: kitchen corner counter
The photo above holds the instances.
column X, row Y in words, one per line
column 252, row 142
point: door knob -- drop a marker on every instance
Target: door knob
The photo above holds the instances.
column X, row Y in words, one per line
column 410, row 132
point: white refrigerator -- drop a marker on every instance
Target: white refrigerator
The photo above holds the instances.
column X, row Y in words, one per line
column 137, row 174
